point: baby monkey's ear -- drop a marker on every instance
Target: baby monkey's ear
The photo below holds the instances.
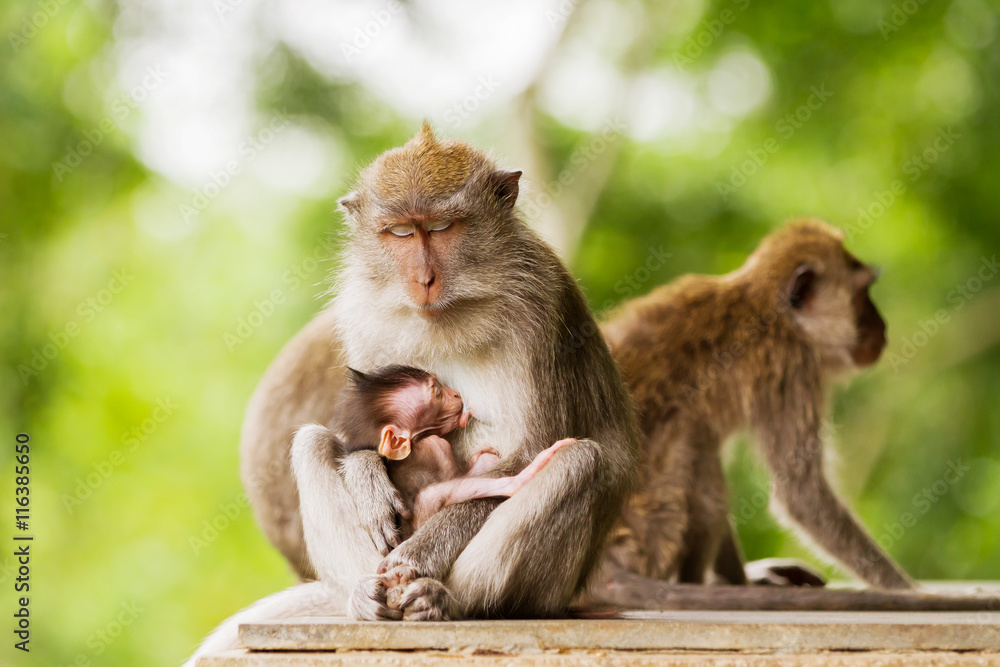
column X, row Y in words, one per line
column 395, row 443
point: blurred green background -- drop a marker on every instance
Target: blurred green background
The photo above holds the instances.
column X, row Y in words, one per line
column 168, row 177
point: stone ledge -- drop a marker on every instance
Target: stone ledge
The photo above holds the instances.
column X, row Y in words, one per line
column 602, row 658
column 801, row 632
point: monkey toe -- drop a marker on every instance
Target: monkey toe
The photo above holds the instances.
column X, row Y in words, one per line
column 397, row 575
column 368, row 602
column 426, row 600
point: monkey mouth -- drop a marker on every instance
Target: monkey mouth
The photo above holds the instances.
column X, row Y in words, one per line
column 464, row 419
column 431, row 309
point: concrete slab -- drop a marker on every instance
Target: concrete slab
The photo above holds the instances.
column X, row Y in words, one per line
column 594, row 658
column 793, row 632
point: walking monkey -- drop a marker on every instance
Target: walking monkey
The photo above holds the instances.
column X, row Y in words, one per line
column 707, row 356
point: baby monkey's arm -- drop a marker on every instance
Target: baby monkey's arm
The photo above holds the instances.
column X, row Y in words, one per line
column 473, row 485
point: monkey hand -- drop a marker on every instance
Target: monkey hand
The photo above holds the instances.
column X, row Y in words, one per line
column 377, row 513
column 394, row 573
column 782, row 572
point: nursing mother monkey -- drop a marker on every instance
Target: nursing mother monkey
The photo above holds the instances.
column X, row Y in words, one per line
column 439, row 272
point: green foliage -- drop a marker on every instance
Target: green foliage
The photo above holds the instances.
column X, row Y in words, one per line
column 149, row 332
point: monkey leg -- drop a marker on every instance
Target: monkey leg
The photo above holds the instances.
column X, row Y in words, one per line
column 428, row 554
column 536, row 550
column 655, row 524
column 340, row 546
column 708, row 505
column 729, row 561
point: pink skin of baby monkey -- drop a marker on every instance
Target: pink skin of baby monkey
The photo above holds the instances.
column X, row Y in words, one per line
column 473, row 484
column 422, row 464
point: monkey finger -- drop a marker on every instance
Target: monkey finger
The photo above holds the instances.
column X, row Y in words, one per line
column 397, row 575
column 401, row 508
column 385, row 536
column 393, row 597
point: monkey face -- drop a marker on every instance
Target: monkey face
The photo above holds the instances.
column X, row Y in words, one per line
column 444, row 410
column 409, row 215
column 829, row 298
column 419, row 246
column 427, row 408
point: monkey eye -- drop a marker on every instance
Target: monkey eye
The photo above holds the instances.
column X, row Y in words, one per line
column 439, row 225
column 401, row 230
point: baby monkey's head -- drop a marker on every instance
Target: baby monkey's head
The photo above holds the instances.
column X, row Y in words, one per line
column 398, row 405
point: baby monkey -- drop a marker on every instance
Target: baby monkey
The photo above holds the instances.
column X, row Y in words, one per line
column 406, row 411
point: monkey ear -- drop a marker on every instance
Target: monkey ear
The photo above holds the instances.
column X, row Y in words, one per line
column 350, row 203
column 802, row 287
column 395, row 444
column 504, row 185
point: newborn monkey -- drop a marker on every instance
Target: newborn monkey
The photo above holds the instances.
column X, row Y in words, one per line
column 407, row 410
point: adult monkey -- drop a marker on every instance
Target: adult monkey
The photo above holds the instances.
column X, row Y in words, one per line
column 755, row 349
column 440, row 273
column 708, row 356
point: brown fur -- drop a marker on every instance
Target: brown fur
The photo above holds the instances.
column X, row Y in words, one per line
column 707, row 356
column 493, row 323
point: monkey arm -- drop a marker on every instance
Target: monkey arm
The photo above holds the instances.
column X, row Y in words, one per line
column 342, row 520
column 795, row 457
column 473, row 485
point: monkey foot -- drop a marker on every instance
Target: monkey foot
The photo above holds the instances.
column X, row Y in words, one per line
column 782, row 572
column 368, row 602
column 425, row 599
